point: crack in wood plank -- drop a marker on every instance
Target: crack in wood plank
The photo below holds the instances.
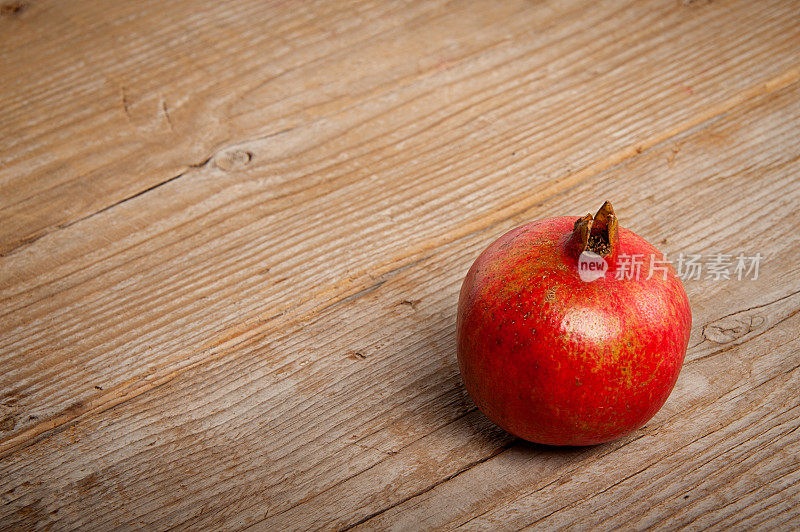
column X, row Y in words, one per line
column 461, row 471
column 20, row 245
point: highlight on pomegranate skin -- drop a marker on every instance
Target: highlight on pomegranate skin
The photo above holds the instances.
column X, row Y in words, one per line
column 558, row 344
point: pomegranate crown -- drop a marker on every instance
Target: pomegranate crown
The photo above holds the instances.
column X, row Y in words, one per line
column 597, row 233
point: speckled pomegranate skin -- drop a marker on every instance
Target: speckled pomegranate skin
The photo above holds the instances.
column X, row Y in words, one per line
column 559, row 361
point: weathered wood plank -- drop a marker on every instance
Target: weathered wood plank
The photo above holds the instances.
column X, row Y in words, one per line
column 712, row 464
column 296, row 421
column 154, row 89
column 263, row 234
column 698, row 387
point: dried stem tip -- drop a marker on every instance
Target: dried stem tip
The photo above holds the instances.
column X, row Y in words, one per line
column 597, row 234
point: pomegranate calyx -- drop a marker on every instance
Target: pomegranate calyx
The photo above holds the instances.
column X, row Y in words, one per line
column 597, row 233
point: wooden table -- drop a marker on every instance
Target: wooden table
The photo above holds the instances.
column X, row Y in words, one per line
column 233, row 235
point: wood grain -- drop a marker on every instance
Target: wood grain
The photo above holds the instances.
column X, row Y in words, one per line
column 166, row 84
column 238, row 311
column 391, row 399
column 698, row 387
column 181, row 274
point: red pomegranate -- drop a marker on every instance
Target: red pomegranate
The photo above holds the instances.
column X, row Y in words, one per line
column 571, row 331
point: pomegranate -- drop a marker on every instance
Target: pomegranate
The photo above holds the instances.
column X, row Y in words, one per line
column 571, row 331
